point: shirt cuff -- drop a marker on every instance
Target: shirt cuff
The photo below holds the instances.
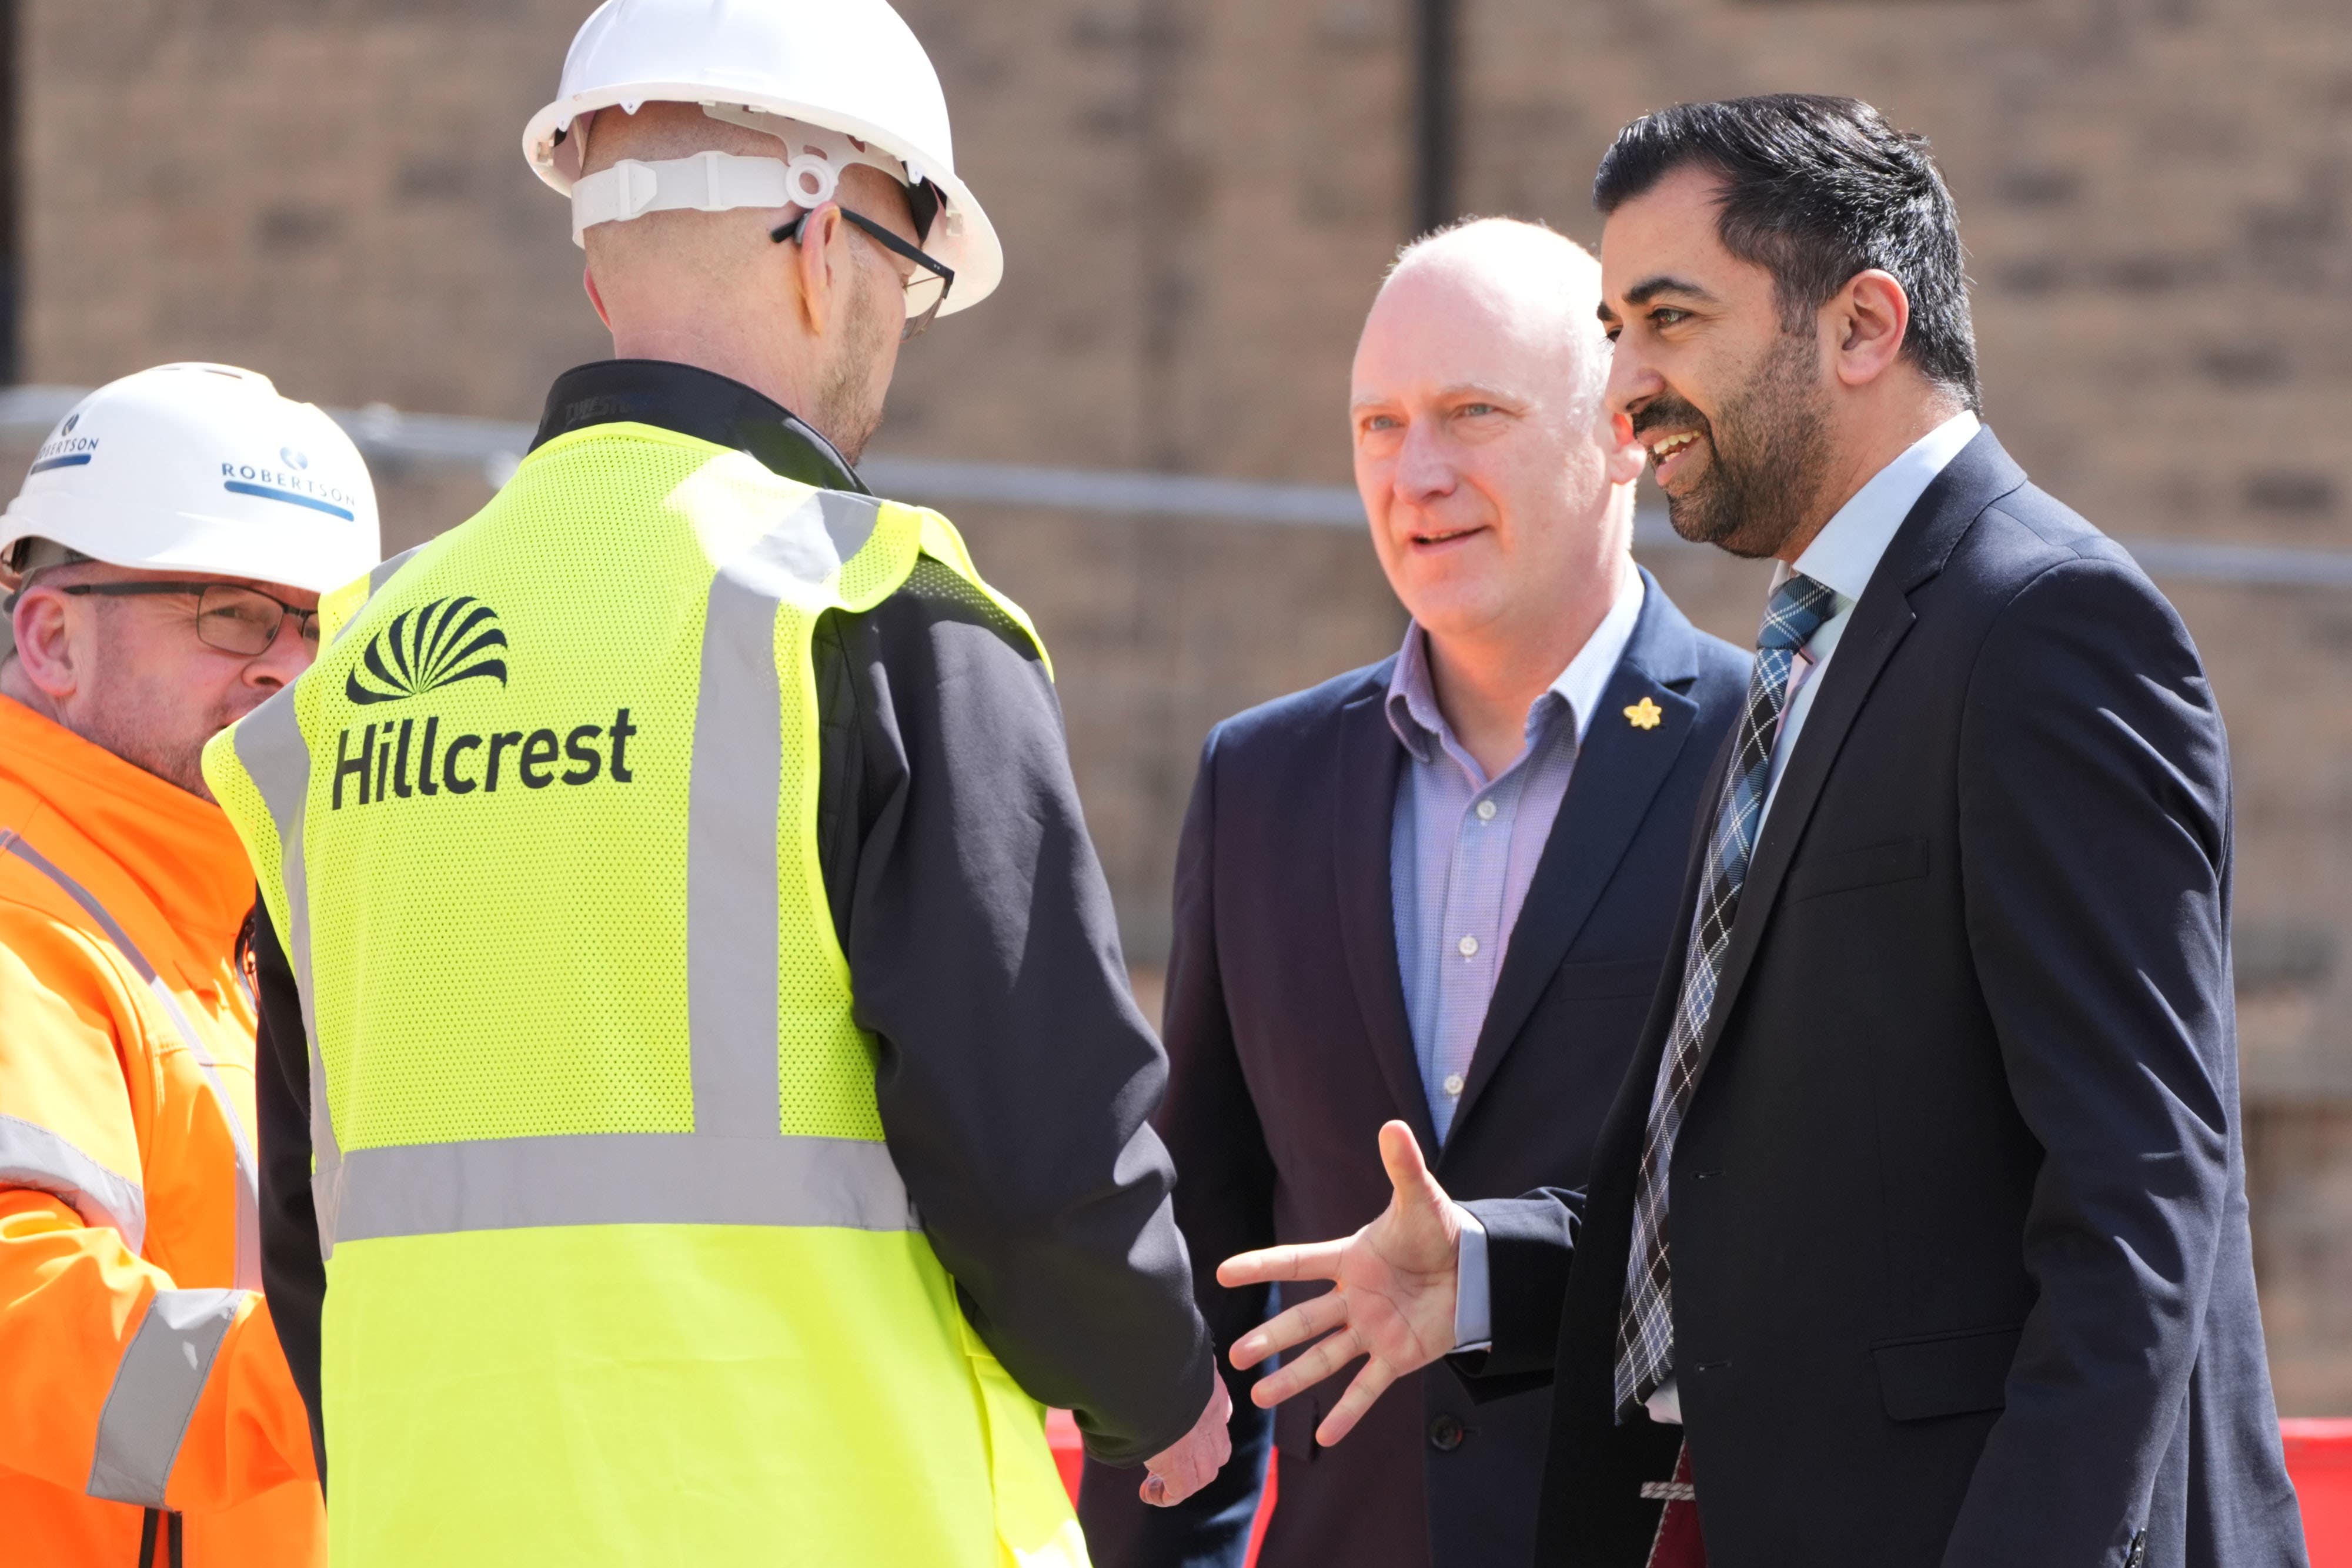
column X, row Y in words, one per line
column 1474, row 1318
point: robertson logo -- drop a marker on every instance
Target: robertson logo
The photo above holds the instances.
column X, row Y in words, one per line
column 431, row 646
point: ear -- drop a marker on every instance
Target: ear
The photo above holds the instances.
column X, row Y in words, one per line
column 822, row 262
column 1867, row 322
column 1625, row 456
column 46, row 644
column 588, row 282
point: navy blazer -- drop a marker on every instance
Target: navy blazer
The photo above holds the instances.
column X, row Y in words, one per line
column 1961, row 1270
column 1289, row 1047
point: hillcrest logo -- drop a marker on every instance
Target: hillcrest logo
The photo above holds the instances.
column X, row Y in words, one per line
column 430, row 647
column 394, row 760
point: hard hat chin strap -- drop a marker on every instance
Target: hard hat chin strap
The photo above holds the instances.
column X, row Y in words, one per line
column 719, row 182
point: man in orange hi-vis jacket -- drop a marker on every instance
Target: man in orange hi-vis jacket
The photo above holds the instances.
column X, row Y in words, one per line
column 165, row 557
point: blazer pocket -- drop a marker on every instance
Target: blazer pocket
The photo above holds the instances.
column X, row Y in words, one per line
column 1594, row 982
column 1946, row 1373
column 1295, row 1421
column 1843, row 871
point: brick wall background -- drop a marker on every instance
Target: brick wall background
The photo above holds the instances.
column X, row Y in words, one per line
column 1197, row 197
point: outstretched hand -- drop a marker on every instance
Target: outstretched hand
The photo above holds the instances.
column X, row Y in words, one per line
column 1392, row 1299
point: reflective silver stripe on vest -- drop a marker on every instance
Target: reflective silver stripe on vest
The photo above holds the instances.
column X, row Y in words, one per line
column 620, row 1178
column 731, row 866
column 276, row 756
column 270, row 746
column 380, row 574
column 248, row 1188
column 733, row 888
column 33, row 1156
column 156, row 1385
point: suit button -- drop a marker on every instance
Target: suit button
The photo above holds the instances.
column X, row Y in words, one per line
column 2138, row 1552
column 1445, row 1434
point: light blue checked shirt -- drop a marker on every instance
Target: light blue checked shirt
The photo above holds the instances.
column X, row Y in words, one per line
column 1462, row 847
column 1843, row 558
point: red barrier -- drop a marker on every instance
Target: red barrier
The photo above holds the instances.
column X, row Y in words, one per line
column 2318, row 1456
column 1070, row 1458
column 1069, row 1450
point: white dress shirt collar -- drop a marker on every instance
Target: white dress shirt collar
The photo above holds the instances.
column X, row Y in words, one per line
column 1587, row 675
column 1844, row 557
column 1847, row 550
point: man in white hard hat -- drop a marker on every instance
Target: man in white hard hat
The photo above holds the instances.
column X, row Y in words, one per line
column 727, row 1114
column 163, row 561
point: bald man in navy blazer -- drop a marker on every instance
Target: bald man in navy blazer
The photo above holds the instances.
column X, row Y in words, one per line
column 1439, row 889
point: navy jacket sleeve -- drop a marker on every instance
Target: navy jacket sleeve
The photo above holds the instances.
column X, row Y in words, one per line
column 293, row 1277
column 1225, row 1204
column 2095, row 833
column 1531, row 1242
column 1016, row 1076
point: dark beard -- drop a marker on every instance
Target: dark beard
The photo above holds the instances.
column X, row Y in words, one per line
column 849, row 407
column 1767, row 453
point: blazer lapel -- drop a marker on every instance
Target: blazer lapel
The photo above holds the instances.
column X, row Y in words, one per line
column 1980, row 475
column 1619, row 771
column 1367, row 764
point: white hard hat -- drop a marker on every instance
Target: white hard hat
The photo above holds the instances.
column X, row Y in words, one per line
column 852, row 67
column 201, row 468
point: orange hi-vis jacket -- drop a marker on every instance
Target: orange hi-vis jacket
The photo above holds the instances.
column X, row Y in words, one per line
column 140, row 1374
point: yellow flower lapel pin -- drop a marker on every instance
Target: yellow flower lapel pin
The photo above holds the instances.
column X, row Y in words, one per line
column 1645, row 715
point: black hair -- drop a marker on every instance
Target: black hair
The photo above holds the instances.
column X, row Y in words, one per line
column 1815, row 190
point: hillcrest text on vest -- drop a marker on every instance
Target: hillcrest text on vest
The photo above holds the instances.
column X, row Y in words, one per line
column 440, row 644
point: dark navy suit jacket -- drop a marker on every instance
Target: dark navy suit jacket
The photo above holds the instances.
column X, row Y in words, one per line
column 1961, row 1271
column 1289, row 1047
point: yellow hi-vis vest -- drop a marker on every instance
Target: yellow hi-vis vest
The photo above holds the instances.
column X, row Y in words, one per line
column 619, row 1268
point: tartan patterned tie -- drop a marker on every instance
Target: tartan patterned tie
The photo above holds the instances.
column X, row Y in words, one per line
column 1646, row 1327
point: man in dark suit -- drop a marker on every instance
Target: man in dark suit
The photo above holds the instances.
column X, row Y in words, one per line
column 1438, row 889
column 1917, row 1234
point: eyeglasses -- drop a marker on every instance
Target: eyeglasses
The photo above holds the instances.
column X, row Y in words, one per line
column 230, row 617
column 927, row 288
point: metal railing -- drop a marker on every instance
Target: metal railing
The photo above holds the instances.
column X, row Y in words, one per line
column 496, row 446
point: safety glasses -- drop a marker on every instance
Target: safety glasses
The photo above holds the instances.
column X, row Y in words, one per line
column 229, row 617
column 927, row 284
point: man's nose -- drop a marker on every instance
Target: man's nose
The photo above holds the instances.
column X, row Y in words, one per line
column 1423, row 468
column 288, row 655
column 1631, row 380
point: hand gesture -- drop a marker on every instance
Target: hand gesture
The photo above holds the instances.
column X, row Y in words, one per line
column 1180, row 1470
column 1391, row 1298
